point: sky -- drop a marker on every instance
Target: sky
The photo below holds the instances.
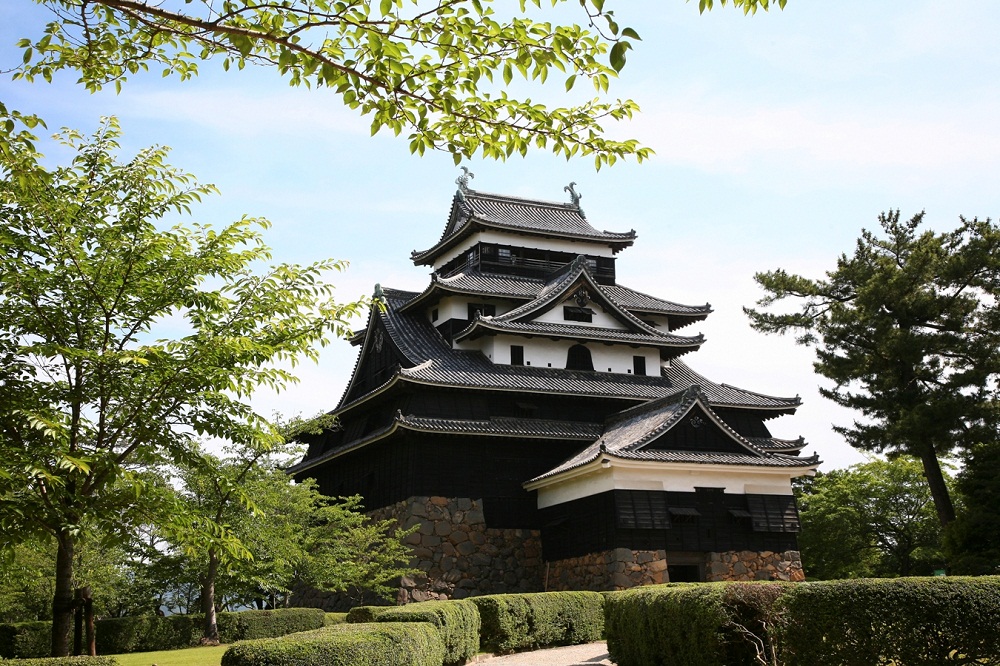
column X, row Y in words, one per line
column 778, row 137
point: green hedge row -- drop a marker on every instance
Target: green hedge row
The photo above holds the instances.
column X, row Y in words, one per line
column 66, row 661
column 149, row 633
column 368, row 644
column 456, row 621
column 334, row 618
column 515, row 622
column 905, row 622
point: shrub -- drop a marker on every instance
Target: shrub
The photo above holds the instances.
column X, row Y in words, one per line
column 247, row 625
column 25, row 639
column 457, row 621
column 369, row 644
column 366, row 613
column 147, row 633
column 66, row 661
column 513, row 622
column 334, row 618
column 906, row 621
column 679, row 624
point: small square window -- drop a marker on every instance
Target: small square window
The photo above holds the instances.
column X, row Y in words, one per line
column 516, row 355
column 639, row 365
column 434, row 314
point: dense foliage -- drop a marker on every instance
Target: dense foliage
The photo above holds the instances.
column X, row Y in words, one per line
column 375, row 644
column 906, row 621
column 973, row 540
column 908, row 330
column 515, row 622
column 99, row 391
column 457, row 621
column 872, row 519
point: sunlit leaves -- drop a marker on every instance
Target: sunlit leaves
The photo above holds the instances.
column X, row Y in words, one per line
column 430, row 73
column 748, row 6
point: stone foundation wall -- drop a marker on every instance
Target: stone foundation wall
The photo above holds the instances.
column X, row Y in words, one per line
column 752, row 565
column 617, row 569
column 459, row 556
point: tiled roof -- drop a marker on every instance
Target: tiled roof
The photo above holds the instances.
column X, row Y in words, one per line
column 494, row 427
column 431, row 360
column 628, row 432
column 475, row 210
column 778, row 445
column 636, row 300
column 576, row 332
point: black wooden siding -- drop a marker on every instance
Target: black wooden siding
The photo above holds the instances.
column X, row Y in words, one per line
column 422, row 464
column 704, row 521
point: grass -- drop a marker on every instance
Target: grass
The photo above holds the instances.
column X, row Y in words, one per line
column 196, row 656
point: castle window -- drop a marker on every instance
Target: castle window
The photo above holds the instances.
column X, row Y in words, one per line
column 639, row 365
column 503, row 255
column 773, row 513
column 486, row 309
column 578, row 358
column 434, row 314
column 573, row 313
column 516, row 355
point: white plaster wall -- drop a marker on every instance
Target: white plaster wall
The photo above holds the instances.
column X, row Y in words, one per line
column 457, row 307
column 545, row 353
column 601, row 319
column 635, row 475
column 516, row 240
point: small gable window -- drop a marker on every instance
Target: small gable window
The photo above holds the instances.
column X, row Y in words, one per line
column 434, row 314
column 516, row 355
column 639, row 365
column 487, row 310
column 578, row 358
column 573, row 313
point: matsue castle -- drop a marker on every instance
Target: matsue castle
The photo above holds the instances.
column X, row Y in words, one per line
column 542, row 425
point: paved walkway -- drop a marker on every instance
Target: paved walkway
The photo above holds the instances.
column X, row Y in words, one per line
column 590, row 654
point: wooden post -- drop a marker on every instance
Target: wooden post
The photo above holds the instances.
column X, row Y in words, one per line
column 77, row 622
column 88, row 608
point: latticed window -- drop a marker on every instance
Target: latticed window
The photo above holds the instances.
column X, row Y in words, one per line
column 578, row 358
column 773, row 513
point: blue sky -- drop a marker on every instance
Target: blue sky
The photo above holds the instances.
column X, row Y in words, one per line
column 778, row 137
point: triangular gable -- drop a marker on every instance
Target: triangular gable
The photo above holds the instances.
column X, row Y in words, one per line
column 564, row 287
column 378, row 357
column 697, row 431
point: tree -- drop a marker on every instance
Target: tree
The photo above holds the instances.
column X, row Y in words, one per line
column 125, row 341
column 431, row 70
column 907, row 329
column 872, row 519
column 973, row 540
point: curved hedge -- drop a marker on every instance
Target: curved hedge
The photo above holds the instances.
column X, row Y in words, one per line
column 908, row 621
column 369, row 644
column 457, row 621
column 514, row 622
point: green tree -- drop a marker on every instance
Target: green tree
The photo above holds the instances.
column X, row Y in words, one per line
column 125, row 341
column 973, row 540
column 907, row 329
column 440, row 71
column 872, row 519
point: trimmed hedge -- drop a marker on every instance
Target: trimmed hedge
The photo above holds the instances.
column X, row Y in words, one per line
column 457, row 621
column 25, row 640
column 148, row 633
column 676, row 624
column 334, row 618
column 66, row 661
column 907, row 621
column 366, row 613
column 369, row 644
column 515, row 622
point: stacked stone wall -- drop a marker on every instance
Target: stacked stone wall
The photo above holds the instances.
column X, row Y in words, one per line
column 752, row 565
column 617, row 569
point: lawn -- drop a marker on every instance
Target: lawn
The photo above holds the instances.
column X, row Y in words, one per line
column 196, row 656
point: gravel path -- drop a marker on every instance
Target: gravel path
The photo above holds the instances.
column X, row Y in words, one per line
column 590, row 654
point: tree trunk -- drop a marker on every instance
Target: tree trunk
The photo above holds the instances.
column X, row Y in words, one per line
column 88, row 615
column 62, row 600
column 939, row 489
column 211, row 634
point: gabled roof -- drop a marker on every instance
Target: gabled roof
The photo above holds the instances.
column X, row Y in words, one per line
column 512, row 287
column 628, row 434
column 430, row 360
column 473, row 211
column 561, row 286
column 508, row 427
